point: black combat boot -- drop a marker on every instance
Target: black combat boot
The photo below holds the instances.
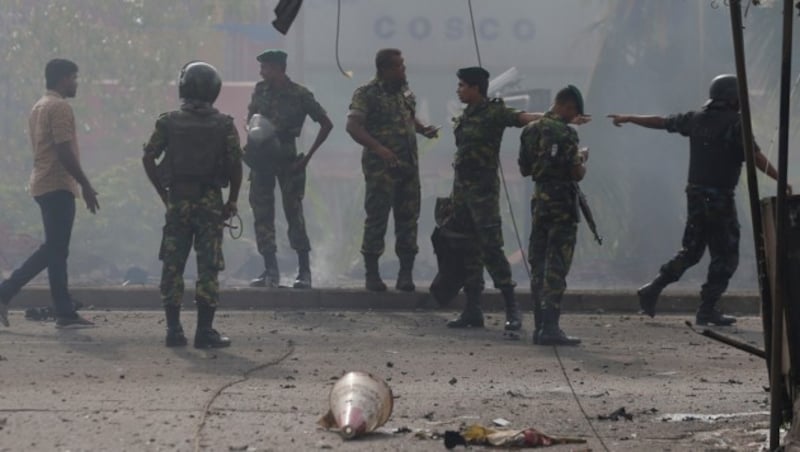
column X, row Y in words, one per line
column 537, row 322
column 303, row 280
column 513, row 316
column 271, row 277
column 206, row 336
column 472, row 316
column 405, row 281
column 709, row 314
column 648, row 293
column 551, row 334
column 374, row 283
column 175, row 336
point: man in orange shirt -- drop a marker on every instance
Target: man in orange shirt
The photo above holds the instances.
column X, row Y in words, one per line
column 54, row 183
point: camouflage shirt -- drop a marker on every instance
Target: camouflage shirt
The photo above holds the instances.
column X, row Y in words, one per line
column 479, row 132
column 286, row 107
column 389, row 118
column 548, row 152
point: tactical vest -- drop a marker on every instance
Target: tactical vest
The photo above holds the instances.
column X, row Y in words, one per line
column 196, row 148
column 716, row 150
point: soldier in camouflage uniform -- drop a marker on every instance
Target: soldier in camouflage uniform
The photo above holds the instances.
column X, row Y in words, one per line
column 201, row 155
column 285, row 104
column 476, row 193
column 382, row 118
column 716, row 155
column 549, row 154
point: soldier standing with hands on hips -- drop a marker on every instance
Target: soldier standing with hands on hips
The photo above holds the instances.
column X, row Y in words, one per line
column 285, row 104
column 201, row 155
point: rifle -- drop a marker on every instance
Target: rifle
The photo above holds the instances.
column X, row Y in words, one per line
column 587, row 214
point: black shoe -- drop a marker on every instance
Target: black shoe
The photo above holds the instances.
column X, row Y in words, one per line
column 303, row 281
column 549, row 336
column 472, row 318
column 405, row 279
column 73, row 323
column 513, row 316
column 210, row 339
column 649, row 293
column 175, row 337
column 405, row 283
column 375, row 284
column 264, row 280
column 714, row 317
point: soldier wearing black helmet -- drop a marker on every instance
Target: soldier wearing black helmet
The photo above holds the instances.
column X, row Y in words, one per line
column 200, row 154
column 716, row 156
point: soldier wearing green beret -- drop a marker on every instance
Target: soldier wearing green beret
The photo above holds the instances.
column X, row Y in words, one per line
column 549, row 154
column 285, row 104
column 382, row 118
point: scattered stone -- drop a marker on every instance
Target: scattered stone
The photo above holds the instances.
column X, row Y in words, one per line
column 390, row 364
column 453, row 381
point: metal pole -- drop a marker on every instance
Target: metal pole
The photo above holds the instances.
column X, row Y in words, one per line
column 776, row 372
column 752, row 181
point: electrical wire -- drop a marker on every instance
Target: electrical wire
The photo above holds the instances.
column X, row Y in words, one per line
column 348, row 74
column 525, row 261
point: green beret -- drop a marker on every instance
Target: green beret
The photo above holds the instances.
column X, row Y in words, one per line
column 272, row 56
column 578, row 97
column 473, row 75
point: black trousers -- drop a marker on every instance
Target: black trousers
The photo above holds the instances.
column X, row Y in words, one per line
column 58, row 216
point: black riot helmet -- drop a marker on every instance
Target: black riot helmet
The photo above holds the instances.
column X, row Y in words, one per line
column 199, row 81
column 724, row 89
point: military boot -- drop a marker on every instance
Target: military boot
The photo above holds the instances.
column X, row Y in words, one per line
column 537, row 323
column 405, row 281
column 271, row 277
column 175, row 336
column 513, row 316
column 303, row 280
column 206, row 336
column 648, row 294
column 472, row 316
column 551, row 334
column 709, row 314
column 374, row 283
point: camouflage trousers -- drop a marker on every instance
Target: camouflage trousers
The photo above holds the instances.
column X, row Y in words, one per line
column 388, row 190
column 476, row 208
column 262, row 200
column 550, row 251
column 712, row 223
column 192, row 220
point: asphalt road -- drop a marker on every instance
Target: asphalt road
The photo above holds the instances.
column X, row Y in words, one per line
column 116, row 387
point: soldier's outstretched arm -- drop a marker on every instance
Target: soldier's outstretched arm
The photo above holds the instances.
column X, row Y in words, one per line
column 650, row 122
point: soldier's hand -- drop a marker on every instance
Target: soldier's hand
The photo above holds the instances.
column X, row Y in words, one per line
column 431, row 131
column 581, row 119
column 584, row 153
column 299, row 165
column 229, row 210
column 618, row 120
column 388, row 156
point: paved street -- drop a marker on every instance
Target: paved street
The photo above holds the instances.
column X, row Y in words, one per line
column 116, row 387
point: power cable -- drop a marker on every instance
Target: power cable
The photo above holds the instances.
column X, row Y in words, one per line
column 348, row 74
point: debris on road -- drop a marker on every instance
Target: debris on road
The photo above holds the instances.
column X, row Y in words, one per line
column 478, row 435
column 616, row 415
column 359, row 403
column 500, row 422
